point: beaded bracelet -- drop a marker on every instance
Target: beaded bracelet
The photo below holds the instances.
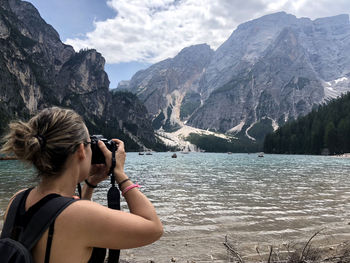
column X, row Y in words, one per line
column 90, row 185
column 129, row 188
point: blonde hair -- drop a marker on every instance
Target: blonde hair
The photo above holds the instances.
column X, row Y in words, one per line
column 46, row 140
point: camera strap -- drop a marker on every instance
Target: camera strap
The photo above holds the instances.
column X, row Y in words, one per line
column 113, row 198
column 79, row 189
column 112, row 167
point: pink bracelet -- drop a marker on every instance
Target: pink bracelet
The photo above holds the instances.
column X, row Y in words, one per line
column 129, row 188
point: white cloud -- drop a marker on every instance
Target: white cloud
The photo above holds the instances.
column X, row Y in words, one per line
column 152, row 30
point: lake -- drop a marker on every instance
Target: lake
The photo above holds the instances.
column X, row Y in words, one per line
column 202, row 197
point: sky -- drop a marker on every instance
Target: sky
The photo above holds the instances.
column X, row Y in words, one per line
column 134, row 34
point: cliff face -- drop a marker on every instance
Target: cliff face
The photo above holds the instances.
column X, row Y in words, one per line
column 281, row 85
column 37, row 70
column 274, row 68
column 163, row 86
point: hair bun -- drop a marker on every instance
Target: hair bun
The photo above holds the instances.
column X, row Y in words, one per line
column 42, row 140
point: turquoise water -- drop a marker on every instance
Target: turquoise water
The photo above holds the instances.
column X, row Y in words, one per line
column 201, row 197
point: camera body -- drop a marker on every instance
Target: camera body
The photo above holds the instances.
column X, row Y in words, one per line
column 97, row 155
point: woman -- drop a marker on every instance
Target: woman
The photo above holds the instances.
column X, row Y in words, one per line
column 57, row 143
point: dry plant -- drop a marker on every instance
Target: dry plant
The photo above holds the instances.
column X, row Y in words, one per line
column 296, row 253
column 233, row 255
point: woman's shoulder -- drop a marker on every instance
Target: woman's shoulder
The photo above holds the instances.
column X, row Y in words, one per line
column 85, row 215
column 82, row 211
column 82, row 221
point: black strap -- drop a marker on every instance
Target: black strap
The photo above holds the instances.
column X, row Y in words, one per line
column 79, row 189
column 90, row 185
column 113, row 164
column 23, row 217
column 113, row 198
column 98, row 255
column 11, row 214
column 43, row 219
column 38, row 223
column 49, row 242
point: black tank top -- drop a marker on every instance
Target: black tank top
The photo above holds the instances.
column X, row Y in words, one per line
column 23, row 217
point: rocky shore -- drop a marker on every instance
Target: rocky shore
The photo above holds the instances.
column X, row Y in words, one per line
column 344, row 155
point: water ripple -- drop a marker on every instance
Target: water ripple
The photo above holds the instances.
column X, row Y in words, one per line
column 210, row 195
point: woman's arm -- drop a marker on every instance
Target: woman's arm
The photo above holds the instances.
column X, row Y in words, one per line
column 104, row 227
column 86, row 192
column 99, row 226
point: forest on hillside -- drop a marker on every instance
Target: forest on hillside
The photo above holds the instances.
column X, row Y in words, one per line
column 325, row 130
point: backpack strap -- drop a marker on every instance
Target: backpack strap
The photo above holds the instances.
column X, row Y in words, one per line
column 49, row 242
column 11, row 214
column 42, row 219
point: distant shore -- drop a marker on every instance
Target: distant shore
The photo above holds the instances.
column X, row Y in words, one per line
column 344, row 155
column 5, row 158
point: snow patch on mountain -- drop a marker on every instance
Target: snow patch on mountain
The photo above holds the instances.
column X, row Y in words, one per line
column 177, row 138
column 335, row 88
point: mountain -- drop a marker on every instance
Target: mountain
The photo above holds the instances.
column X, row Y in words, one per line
column 37, row 70
column 169, row 88
column 270, row 70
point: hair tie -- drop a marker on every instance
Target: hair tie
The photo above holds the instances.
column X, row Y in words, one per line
column 41, row 140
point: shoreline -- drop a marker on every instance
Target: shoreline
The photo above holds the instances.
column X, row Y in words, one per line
column 344, row 155
column 211, row 248
column 253, row 253
column 7, row 158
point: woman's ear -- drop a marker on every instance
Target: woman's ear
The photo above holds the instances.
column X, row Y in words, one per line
column 81, row 152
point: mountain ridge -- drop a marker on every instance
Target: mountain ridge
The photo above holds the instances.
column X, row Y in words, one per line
column 276, row 67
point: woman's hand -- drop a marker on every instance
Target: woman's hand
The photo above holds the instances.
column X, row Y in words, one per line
column 98, row 173
column 120, row 157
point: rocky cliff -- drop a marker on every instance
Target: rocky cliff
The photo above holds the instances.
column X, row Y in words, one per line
column 37, row 70
column 271, row 69
column 169, row 88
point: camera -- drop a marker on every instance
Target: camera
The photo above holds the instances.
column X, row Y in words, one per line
column 97, row 155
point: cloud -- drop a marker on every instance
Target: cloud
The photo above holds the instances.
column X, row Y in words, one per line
column 152, row 30
column 316, row 9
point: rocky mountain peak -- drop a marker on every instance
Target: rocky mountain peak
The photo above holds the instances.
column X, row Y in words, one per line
column 37, row 70
column 27, row 14
column 163, row 86
column 270, row 70
column 193, row 54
